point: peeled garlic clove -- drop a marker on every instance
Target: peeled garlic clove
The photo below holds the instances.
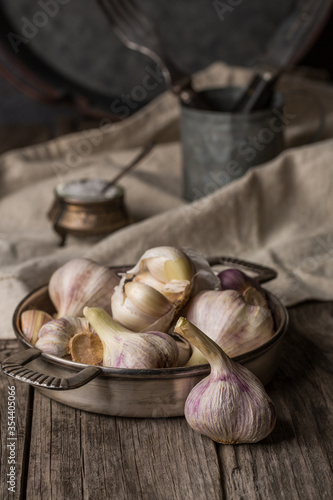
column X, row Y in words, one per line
column 236, row 326
column 80, row 283
column 31, row 322
column 252, row 291
column 231, row 405
column 86, row 347
column 138, row 306
column 125, row 349
column 55, row 335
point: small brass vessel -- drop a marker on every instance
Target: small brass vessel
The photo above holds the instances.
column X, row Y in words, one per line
column 88, row 207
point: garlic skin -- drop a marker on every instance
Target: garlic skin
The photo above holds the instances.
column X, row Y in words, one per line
column 54, row 336
column 139, row 307
column 252, row 291
column 31, row 322
column 230, row 406
column 79, row 283
column 225, row 316
column 125, row 349
column 204, row 276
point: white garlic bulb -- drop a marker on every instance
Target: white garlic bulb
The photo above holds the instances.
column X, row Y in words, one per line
column 126, row 349
column 55, row 335
column 79, row 283
column 230, row 405
column 226, row 317
column 31, row 322
column 168, row 270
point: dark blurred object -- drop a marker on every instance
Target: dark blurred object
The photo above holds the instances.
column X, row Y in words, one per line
column 320, row 54
column 289, row 43
column 64, row 51
column 76, row 52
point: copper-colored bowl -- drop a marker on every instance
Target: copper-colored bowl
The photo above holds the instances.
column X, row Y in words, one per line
column 124, row 392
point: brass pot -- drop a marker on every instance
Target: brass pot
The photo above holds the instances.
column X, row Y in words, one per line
column 80, row 211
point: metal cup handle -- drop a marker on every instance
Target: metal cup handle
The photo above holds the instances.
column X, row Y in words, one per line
column 14, row 367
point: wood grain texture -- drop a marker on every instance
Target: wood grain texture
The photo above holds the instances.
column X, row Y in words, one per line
column 23, row 414
column 80, row 455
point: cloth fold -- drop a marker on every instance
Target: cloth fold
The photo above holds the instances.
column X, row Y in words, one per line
column 279, row 214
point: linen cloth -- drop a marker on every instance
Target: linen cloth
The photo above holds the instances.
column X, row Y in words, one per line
column 279, row 214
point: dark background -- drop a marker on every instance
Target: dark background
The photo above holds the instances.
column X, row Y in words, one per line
column 77, row 46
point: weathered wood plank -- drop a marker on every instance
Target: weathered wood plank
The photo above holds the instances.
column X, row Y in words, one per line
column 296, row 460
column 55, row 452
column 76, row 454
column 147, row 459
column 17, row 454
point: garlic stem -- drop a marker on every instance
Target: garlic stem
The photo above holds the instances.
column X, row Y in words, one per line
column 215, row 356
column 102, row 322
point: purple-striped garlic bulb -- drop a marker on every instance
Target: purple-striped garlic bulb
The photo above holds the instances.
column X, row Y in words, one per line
column 79, row 283
column 230, row 405
column 32, row 321
column 126, row 349
column 234, row 324
column 54, row 336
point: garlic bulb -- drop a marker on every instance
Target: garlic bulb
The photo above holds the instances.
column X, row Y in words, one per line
column 231, row 405
column 31, row 322
column 80, row 283
column 252, row 291
column 139, row 307
column 55, row 335
column 125, row 349
column 225, row 316
column 168, row 270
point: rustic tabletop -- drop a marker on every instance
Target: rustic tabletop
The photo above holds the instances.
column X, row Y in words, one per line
column 51, row 451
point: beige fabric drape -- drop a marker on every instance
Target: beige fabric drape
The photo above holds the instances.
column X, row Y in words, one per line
column 279, row 214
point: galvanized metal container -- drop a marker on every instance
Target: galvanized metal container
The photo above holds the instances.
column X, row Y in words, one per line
column 220, row 146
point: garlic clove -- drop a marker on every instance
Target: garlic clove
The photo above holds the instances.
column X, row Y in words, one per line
column 125, row 349
column 54, row 336
column 79, row 283
column 138, row 306
column 87, row 348
column 165, row 264
column 230, row 406
column 31, row 322
column 236, row 326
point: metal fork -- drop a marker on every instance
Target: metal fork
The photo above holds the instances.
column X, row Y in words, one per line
column 138, row 33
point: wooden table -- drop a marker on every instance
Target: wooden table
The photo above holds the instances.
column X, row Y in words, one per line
column 62, row 453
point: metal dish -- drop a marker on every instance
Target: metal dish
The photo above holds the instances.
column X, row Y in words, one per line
column 131, row 393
